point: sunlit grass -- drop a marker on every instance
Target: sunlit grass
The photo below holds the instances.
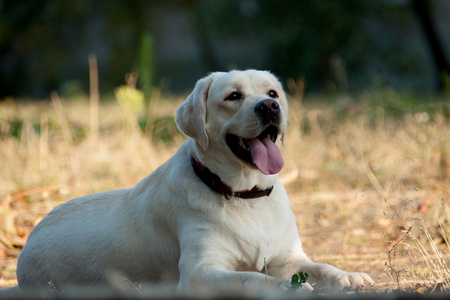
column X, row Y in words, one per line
column 360, row 173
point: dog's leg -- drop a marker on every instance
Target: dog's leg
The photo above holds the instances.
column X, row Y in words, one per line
column 216, row 279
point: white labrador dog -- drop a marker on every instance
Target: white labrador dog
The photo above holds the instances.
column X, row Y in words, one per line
column 214, row 214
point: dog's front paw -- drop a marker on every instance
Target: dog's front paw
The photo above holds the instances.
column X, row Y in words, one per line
column 351, row 281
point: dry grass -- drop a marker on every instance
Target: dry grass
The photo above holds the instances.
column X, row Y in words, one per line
column 369, row 184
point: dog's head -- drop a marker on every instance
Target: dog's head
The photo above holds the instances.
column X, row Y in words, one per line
column 242, row 114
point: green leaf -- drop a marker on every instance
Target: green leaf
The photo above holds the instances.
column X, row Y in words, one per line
column 303, row 276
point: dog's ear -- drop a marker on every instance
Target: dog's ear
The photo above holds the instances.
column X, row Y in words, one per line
column 191, row 115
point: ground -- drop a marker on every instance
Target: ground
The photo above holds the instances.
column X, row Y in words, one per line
column 368, row 181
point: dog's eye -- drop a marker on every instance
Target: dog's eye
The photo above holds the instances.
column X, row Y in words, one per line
column 272, row 94
column 234, row 96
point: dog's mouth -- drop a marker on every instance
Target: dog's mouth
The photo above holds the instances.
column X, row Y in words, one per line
column 259, row 151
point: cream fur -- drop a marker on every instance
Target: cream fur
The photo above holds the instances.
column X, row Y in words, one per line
column 172, row 227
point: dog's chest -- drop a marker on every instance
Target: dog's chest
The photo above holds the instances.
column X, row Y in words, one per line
column 255, row 258
column 254, row 235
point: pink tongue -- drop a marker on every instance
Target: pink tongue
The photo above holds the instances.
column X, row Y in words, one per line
column 266, row 155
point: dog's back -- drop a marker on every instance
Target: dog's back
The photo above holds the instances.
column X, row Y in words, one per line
column 96, row 238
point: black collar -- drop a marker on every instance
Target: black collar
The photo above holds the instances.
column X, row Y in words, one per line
column 213, row 182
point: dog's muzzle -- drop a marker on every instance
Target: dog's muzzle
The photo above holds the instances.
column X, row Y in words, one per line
column 261, row 150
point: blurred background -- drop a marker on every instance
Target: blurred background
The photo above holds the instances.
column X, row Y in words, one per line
column 337, row 46
column 368, row 144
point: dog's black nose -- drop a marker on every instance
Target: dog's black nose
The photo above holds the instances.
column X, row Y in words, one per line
column 268, row 110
